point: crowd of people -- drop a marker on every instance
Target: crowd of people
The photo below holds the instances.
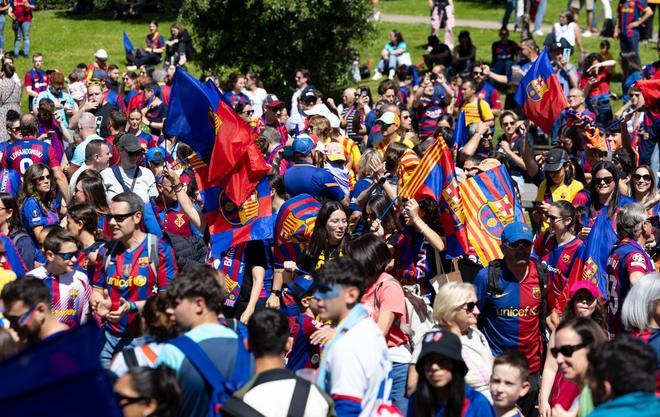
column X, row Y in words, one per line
column 102, row 221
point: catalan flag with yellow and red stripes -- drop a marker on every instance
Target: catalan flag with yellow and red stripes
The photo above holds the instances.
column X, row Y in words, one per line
column 435, row 178
column 490, row 203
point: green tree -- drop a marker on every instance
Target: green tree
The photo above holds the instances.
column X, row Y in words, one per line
column 274, row 37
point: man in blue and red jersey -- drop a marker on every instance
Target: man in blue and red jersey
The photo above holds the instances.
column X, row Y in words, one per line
column 296, row 302
column 36, row 79
column 28, row 150
column 510, row 299
column 632, row 15
column 628, row 261
column 128, row 270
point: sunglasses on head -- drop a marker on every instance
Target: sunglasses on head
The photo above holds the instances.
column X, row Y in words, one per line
column 567, row 350
column 67, row 256
column 645, row 177
column 604, row 180
column 120, row 218
column 526, row 244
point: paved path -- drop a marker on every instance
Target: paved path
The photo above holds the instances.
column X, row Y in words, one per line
column 479, row 24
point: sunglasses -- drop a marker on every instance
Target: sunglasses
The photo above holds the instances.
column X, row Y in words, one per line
column 19, row 321
column 67, row 256
column 519, row 244
column 552, row 219
column 120, row 218
column 566, row 350
column 125, row 401
column 248, row 112
column 639, row 177
column 136, row 153
column 604, row 180
column 42, row 178
column 469, row 307
column 585, row 298
column 509, row 124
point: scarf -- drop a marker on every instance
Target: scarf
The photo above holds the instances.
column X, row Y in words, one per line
column 357, row 314
column 233, row 268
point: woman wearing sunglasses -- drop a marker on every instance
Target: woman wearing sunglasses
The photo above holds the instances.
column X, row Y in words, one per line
column 39, row 207
column 246, row 113
column 456, row 309
column 151, row 392
column 645, row 191
column 572, row 341
column 603, row 195
column 585, row 301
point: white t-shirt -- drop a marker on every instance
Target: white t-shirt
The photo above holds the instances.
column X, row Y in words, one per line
column 567, row 32
column 257, row 99
column 70, row 294
column 146, row 355
column 273, row 398
column 359, row 367
column 145, row 183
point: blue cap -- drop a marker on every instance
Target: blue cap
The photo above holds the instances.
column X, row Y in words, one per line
column 516, row 231
column 156, row 155
column 301, row 287
column 302, row 145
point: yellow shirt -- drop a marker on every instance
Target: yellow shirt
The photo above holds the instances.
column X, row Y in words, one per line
column 472, row 112
column 561, row 192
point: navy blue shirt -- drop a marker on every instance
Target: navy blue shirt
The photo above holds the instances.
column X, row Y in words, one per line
column 303, row 177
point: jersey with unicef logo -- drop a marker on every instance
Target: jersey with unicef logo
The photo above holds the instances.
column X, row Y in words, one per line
column 69, row 294
column 626, row 257
column 20, row 154
column 511, row 318
column 359, row 368
column 130, row 276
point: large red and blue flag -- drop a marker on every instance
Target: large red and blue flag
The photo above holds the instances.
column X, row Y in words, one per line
column 540, row 95
column 590, row 260
column 490, row 203
column 435, row 178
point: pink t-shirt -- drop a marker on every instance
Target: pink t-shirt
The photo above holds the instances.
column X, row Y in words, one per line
column 387, row 295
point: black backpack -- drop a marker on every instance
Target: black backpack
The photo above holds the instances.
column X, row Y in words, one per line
column 188, row 250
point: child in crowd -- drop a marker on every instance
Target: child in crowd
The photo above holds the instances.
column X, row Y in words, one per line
column 509, row 382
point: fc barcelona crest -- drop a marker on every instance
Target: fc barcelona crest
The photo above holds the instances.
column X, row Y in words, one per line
column 537, row 89
column 494, row 215
column 239, row 216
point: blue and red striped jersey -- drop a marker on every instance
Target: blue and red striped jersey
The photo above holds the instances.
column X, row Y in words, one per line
column 20, row 154
column 428, row 114
column 129, row 276
column 627, row 257
column 630, row 11
column 511, row 318
column 303, row 354
column 558, row 259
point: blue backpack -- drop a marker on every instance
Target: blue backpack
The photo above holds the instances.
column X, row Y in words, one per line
column 221, row 387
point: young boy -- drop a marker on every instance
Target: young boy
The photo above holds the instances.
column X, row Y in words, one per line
column 69, row 287
column 296, row 307
column 509, row 382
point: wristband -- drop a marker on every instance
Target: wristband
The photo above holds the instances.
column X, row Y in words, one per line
column 132, row 307
column 277, row 293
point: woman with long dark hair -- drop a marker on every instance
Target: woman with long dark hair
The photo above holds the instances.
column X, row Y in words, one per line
column 585, row 301
column 385, row 302
column 645, row 191
column 441, row 389
column 82, row 222
column 178, row 48
column 327, row 241
column 464, row 53
column 39, row 207
column 12, row 227
column 91, row 190
column 603, row 193
column 151, row 392
column 557, row 246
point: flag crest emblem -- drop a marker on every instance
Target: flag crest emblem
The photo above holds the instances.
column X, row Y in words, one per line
column 537, row 89
column 494, row 215
column 242, row 215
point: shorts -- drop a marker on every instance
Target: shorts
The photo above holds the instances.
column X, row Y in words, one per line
column 577, row 4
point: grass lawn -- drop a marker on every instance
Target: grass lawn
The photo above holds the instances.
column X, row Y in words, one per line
column 473, row 9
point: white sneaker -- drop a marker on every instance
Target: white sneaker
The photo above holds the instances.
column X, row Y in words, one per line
column 377, row 76
column 587, row 34
column 391, row 75
column 539, row 33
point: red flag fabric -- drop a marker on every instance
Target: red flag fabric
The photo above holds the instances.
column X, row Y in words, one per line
column 650, row 89
column 236, row 162
column 540, row 95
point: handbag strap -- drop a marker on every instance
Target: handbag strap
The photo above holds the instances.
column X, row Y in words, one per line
column 299, row 398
